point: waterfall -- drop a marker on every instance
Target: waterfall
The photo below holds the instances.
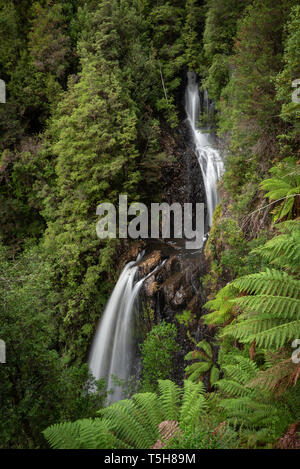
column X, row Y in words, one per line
column 209, row 158
column 113, row 348
column 112, row 351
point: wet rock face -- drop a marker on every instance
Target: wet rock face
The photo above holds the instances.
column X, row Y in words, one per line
column 149, row 263
column 183, row 180
column 175, row 285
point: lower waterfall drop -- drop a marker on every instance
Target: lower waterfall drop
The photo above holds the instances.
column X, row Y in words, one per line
column 112, row 351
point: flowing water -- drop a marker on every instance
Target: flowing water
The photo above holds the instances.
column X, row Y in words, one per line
column 209, row 158
column 113, row 345
column 113, row 348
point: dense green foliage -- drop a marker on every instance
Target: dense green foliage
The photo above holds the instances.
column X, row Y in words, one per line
column 256, row 315
column 157, row 352
column 88, row 86
column 36, row 385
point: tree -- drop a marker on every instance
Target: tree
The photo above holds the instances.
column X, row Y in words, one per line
column 249, row 110
column 219, row 37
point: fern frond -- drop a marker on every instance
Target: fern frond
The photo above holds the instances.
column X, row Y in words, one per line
column 284, row 184
column 270, row 282
column 267, row 332
column 284, row 250
column 133, row 423
column 82, row 434
column 206, row 347
column 214, row 375
column 169, row 399
column 279, row 335
column 277, row 306
column 126, row 422
column 222, row 306
column 193, row 403
column 149, row 410
column 63, row 435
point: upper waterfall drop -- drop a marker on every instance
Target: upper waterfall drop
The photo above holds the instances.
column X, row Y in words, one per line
column 209, row 158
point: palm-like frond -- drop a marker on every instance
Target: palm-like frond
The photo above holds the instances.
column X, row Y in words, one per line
column 271, row 314
column 193, row 404
column 270, row 282
column 169, row 399
column 248, row 406
column 126, row 422
column 204, row 363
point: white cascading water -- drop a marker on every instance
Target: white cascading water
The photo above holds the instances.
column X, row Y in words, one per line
column 113, row 345
column 209, row 158
column 113, row 349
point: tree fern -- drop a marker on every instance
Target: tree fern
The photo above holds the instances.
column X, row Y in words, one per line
column 269, row 282
column 193, row 404
column 149, row 408
column 263, row 309
column 278, row 374
column 82, row 434
column 126, row 422
column 271, row 320
column 169, row 399
column 204, row 364
column 270, row 306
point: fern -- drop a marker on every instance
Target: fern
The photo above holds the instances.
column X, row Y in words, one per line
column 272, row 320
column 269, row 282
column 133, row 423
column 193, row 404
column 127, row 423
column 284, row 251
column 149, row 409
column 203, row 365
column 169, row 399
column 82, row 434
column 265, row 307
column 252, row 408
column 270, row 306
column 284, row 184
column 278, row 373
column 222, row 307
